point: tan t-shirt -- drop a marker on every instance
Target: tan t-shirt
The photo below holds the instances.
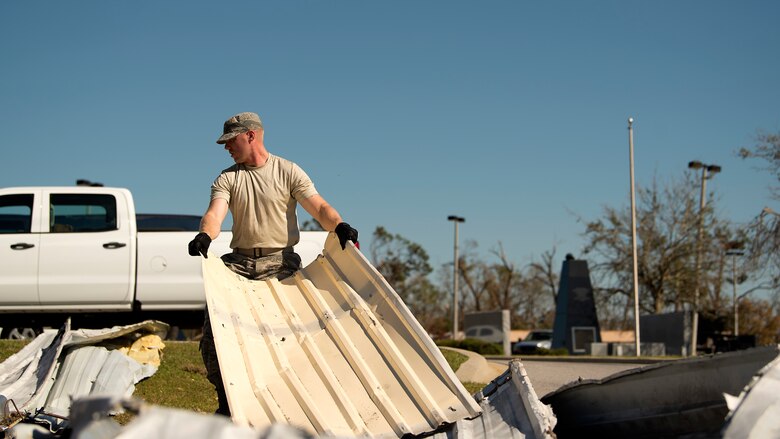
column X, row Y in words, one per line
column 263, row 200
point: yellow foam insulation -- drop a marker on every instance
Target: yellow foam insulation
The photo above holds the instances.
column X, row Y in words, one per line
column 145, row 350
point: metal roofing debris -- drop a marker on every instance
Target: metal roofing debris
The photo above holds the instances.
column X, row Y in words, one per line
column 510, row 409
column 91, row 370
column 756, row 412
column 91, row 421
column 59, row 366
column 333, row 350
column 662, row 400
column 509, row 406
column 25, row 375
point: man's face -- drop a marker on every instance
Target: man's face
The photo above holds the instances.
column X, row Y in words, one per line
column 239, row 147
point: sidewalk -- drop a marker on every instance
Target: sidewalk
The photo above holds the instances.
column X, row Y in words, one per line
column 476, row 369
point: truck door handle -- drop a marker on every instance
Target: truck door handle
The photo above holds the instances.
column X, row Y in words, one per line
column 113, row 245
column 21, row 246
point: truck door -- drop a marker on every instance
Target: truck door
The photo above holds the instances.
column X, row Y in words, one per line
column 86, row 253
column 19, row 248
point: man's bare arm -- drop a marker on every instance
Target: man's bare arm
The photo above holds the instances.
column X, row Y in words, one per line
column 323, row 212
column 211, row 223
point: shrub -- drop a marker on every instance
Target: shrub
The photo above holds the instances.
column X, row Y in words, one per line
column 473, row 345
column 556, row 351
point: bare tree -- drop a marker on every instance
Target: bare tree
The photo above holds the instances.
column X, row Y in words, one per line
column 767, row 150
column 763, row 252
column 763, row 233
column 546, row 273
column 666, row 230
column 503, row 285
column 477, row 279
column 506, row 282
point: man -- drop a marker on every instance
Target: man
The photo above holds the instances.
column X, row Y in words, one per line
column 261, row 191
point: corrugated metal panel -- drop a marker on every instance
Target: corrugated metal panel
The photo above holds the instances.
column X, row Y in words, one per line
column 332, row 350
column 40, row 376
column 27, row 376
column 94, row 370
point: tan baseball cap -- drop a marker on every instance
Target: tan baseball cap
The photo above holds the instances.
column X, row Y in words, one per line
column 240, row 123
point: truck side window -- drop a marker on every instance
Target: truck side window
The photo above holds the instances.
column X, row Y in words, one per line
column 16, row 213
column 71, row 213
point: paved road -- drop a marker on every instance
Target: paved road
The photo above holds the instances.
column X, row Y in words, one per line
column 547, row 376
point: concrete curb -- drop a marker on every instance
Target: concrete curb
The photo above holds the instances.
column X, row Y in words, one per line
column 476, row 369
column 584, row 359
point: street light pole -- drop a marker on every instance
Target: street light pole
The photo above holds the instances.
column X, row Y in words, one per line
column 712, row 169
column 633, row 234
column 735, row 251
column 456, row 220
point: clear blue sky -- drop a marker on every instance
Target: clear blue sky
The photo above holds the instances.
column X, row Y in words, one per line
column 511, row 114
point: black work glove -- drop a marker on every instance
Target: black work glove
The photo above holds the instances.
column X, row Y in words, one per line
column 200, row 245
column 346, row 233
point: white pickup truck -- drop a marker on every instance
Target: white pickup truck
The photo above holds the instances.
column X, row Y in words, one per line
column 84, row 253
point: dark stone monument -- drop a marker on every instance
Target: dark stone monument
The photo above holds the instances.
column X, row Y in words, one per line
column 576, row 324
column 673, row 329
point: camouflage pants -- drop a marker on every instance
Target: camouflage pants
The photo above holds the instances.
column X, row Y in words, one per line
column 279, row 266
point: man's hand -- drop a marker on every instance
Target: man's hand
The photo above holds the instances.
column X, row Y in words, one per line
column 346, row 233
column 200, row 245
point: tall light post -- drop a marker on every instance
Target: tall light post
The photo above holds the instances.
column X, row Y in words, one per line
column 707, row 172
column 633, row 234
column 456, row 219
column 734, row 250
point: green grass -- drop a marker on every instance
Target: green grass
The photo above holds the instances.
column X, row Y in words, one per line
column 180, row 381
column 10, row 347
column 473, row 387
column 454, row 359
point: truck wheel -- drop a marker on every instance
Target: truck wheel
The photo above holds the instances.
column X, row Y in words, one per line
column 22, row 333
